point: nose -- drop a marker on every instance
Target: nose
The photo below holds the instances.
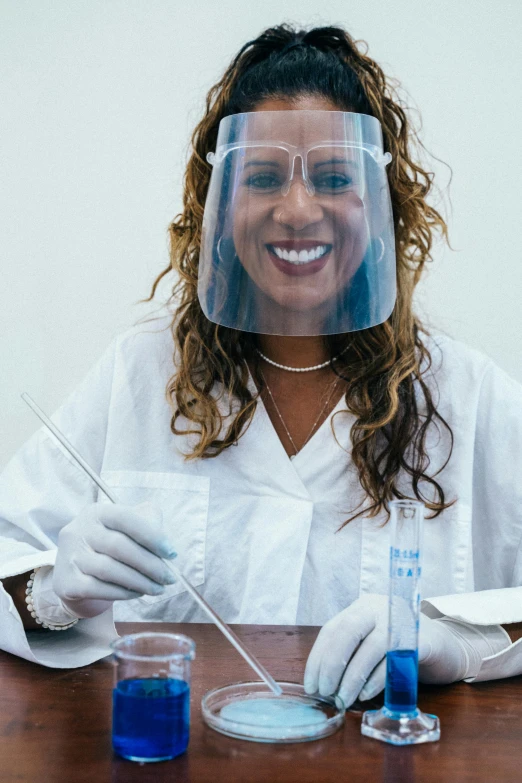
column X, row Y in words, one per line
column 298, row 209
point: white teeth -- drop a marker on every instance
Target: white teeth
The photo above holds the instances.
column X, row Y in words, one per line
column 303, row 257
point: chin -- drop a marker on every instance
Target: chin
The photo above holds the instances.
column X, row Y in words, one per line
column 303, row 304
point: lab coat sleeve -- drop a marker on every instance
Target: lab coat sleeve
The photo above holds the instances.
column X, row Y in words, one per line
column 497, row 528
column 41, row 490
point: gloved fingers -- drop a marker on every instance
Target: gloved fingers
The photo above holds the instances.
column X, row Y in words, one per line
column 336, row 657
column 112, row 571
column 125, row 550
column 375, row 682
column 88, row 589
column 367, row 657
column 335, row 645
column 338, row 641
column 142, row 523
column 320, row 647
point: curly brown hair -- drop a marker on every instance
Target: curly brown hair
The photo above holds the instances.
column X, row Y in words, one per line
column 384, row 366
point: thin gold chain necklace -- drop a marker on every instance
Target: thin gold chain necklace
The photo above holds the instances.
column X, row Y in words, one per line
column 323, row 408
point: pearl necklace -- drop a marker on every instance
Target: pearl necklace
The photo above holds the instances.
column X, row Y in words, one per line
column 300, row 369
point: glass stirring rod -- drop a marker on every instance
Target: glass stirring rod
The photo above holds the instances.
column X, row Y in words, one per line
column 223, row 627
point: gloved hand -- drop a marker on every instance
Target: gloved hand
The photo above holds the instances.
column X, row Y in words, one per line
column 110, row 553
column 349, row 654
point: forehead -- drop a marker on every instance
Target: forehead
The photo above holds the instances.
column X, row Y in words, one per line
column 297, row 128
column 301, row 102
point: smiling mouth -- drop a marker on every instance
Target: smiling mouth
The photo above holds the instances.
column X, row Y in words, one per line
column 302, row 256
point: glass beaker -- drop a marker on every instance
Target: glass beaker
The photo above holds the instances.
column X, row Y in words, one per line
column 151, row 696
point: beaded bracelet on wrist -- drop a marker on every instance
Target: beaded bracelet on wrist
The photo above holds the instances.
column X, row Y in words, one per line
column 32, row 612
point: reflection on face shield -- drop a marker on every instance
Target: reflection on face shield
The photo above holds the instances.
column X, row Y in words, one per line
column 294, row 234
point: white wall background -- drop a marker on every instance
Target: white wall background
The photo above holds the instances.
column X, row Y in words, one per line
column 97, row 101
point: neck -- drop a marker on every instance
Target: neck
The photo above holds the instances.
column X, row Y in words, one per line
column 294, row 351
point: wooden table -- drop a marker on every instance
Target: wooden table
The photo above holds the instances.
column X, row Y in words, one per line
column 55, row 725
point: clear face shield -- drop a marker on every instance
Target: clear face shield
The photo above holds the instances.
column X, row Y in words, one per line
column 298, row 229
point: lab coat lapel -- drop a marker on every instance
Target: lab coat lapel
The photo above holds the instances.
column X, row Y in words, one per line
column 324, row 452
column 269, row 514
column 271, row 459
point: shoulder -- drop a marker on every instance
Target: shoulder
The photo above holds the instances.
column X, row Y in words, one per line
column 146, row 346
column 154, row 334
column 141, row 357
column 450, row 357
column 466, row 372
column 454, row 371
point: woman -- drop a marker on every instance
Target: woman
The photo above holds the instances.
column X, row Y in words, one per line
column 303, row 395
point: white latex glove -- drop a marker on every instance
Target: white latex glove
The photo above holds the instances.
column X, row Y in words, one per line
column 110, row 553
column 349, row 654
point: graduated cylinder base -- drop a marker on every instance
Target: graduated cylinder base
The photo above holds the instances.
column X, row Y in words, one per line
column 400, row 728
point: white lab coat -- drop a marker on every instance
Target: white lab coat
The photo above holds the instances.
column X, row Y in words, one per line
column 255, row 531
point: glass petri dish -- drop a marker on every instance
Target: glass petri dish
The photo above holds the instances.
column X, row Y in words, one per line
column 250, row 711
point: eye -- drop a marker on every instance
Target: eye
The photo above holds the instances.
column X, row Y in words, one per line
column 263, row 181
column 333, row 182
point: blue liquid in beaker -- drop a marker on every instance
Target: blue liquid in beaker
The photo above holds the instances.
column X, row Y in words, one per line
column 150, row 718
column 400, row 694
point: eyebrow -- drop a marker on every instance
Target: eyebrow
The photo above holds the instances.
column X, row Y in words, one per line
column 335, row 160
column 262, row 163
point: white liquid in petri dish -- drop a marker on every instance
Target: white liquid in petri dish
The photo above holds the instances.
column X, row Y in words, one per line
column 274, row 716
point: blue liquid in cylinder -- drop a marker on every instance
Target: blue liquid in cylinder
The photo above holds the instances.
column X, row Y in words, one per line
column 400, row 694
column 150, row 718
